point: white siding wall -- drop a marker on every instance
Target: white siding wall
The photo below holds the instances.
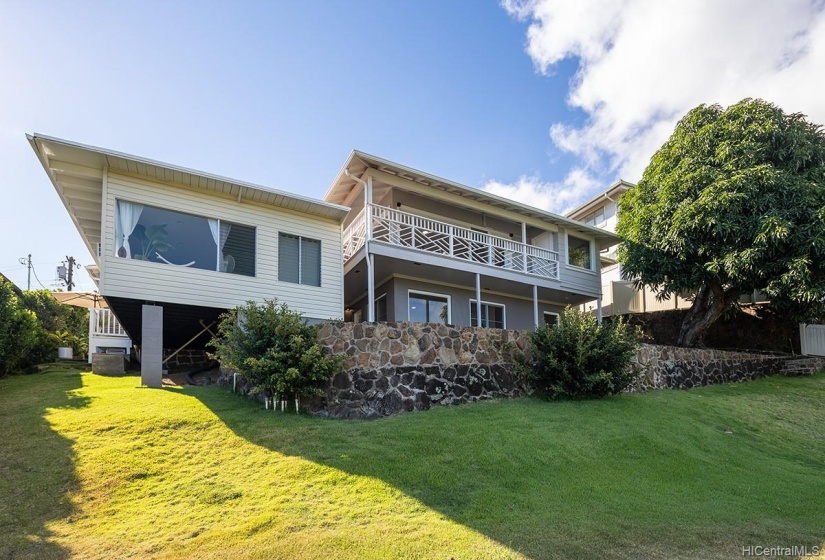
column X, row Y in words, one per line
column 168, row 283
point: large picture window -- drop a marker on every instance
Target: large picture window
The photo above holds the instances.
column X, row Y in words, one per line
column 492, row 315
column 299, row 259
column 166, row 236
column 428, row 308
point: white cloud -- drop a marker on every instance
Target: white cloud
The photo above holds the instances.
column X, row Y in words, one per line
column 644, row 63
column 554, row 197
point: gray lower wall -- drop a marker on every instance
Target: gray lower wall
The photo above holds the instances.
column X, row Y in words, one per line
column 518, row 312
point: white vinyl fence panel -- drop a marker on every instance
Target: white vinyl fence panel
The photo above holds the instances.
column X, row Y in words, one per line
column 813, row 339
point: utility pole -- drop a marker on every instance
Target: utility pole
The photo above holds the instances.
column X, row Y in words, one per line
column 69, row 272
column 28, row 263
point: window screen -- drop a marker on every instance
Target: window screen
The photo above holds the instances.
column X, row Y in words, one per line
column 299, row 260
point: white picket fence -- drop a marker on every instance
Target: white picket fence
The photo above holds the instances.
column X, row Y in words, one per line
column 812, row 338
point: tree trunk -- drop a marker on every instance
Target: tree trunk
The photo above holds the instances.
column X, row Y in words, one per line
column 709, row 305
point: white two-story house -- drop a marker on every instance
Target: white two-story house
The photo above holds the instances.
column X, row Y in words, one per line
column 421, row 248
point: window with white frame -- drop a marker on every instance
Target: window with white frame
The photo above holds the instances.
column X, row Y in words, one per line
column 148, row 233
column 299, row 259
column 381, row 308
column 578, row 252
column 492, row 315
column 551, row 319
column 424, row 307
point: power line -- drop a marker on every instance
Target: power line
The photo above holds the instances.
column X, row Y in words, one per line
column 38, row 279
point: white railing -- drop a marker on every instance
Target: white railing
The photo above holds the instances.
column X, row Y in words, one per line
column 354, row 236
column 104, row 323
column 403, row 229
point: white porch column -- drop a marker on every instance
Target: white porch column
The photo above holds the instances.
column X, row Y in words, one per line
column 536, row 305
column 599, row 309
column 370, row 257
column 368, row 210
column 524, row 242
column 92, row 320
column 151, row 346
column 478, row 299
column 371, row 288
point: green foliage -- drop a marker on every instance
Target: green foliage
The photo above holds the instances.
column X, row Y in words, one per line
column 578, row 358
column 23, row 342
column 63, row 339
column 734, row 201
column 55, row 316
column 274, row 348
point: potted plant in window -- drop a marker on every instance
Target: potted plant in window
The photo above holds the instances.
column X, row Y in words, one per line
column 152, row 239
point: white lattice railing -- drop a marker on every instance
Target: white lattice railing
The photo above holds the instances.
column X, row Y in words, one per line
column 104, row 323
column 354, row 236
column 424, row 234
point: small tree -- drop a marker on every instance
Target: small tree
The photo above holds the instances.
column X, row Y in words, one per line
column 578, row 358
column 733, row 202
column 275, row 349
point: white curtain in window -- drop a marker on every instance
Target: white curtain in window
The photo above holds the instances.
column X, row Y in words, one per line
column 128, row 214
column 220, row 233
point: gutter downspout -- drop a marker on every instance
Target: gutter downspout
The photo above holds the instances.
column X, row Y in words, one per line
column 367, row 185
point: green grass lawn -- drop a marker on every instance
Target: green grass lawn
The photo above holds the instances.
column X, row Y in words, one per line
column 93, row 467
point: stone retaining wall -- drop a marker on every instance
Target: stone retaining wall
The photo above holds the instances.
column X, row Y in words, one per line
column 672, row 367
column 395, row 367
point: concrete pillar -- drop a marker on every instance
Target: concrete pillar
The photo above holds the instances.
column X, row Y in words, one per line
column 599, row 309
column 536, row 305
column 151, row 346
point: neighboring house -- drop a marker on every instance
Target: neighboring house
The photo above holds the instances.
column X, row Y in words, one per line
column 421, row 248
column 619, row 295
column 176, row 247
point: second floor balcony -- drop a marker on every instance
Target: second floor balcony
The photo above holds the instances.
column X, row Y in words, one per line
column 410, row 231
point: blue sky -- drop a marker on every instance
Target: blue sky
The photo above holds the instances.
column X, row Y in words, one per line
column 547, row 102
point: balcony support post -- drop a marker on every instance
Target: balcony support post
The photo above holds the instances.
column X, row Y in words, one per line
column 368, row 209
column 452, row 237
column 524, row 245
column 370, row 287
column 536, row 305
column 599, row 309
column 478, row 300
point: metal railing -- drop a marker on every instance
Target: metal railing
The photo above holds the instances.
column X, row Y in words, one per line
column 104, row 323
column 403, row 229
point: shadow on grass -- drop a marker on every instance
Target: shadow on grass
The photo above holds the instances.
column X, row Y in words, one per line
column 666, row 475
column 37, row 465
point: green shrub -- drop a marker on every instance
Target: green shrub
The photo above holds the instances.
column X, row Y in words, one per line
column 275, row 349
column 23, row 342
column 578, row 358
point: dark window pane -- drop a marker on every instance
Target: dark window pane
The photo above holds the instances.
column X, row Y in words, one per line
column 381, row 309
column 310, row 262
column 551, row 319
column 288, row 258
column 437, row 311
column 239, row 250
column 169, row 237
column 418, row 309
